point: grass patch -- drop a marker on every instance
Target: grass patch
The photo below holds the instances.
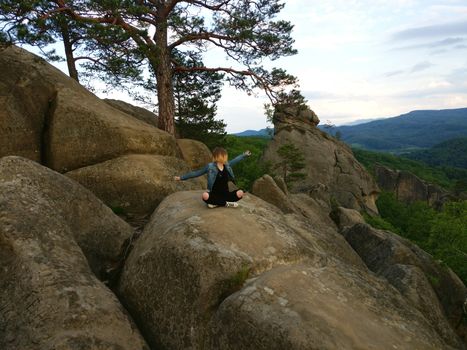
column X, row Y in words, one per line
column 118, row 210
column 234, row 283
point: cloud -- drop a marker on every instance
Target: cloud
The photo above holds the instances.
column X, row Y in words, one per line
column 414, row 69
column 435, row 89
column 421, row 66
column 447, row 29
column 331, row 96
column 434, row 44
column 393, row 73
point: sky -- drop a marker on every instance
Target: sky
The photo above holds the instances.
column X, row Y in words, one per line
column 369, row 59
column 363, row 59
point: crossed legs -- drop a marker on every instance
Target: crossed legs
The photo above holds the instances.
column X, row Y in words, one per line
column 212, row 198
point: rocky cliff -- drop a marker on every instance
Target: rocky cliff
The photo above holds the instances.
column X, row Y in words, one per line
column 329, row 164
column 275, row 273
column 408, row 188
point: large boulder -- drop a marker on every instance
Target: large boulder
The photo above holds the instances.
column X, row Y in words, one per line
column 26, row 89
column 267, row 189
column 81, row 134
column 318, row 306
column 432, row 288
column 328, row 162
column 135, row 184
column 49, row 297
column 135, row 111
column 345, row 217
column 37, row 191
column 289, row 114
column 195, row 153
column 48, row 117
column 254, row 278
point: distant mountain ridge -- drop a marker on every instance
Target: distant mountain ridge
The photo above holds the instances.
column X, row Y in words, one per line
column 415, row 130
column 261, row 133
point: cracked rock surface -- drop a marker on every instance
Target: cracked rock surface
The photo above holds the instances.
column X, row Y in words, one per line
column 247, row 278
column 54, row 235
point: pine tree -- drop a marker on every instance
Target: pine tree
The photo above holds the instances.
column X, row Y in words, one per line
column 31, row 22
column 196, row 95
column 291, row 164
column 246, row 30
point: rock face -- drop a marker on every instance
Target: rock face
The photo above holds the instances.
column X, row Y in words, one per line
column 135, row 184
column 328, row 162
column 287, row 115
column 137, row 112
column 98, row 232
column 255, row 277
column 80, row 134
column 195, row 153
column 266, row 188
column 49, row 118
column 25, row 91
column 345, row 217
column 408, row 187
column 433, row 289
column 49, row 297
column 256, row 282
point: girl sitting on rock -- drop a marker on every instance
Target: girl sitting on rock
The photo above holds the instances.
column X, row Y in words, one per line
column 219, row 173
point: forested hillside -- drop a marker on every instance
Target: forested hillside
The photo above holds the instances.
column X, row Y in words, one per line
column 450, row 178
column 449, row 153
column 442, row 233
column 411, row 131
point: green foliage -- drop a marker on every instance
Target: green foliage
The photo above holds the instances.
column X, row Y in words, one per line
column 39, row 23
column 196, row 95
column 452, row 153
column 235, row 282
column 118, row 210
column 292, row 162
column 121, row 49
column 443, row 234
column 449, row 178
column 448, row 237
column 283, row 98
column 247, row 171
column 379, row 223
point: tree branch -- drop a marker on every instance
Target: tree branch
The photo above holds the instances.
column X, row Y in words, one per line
column 170, row 6
column 231, row 71
column 205, row 5
column 200, row 36
column 112, row 20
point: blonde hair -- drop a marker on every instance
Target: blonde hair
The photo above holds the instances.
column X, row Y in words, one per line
column 219, row 155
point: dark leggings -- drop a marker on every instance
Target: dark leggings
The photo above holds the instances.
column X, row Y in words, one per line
column 220, row 199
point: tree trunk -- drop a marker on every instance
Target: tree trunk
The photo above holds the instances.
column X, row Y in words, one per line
column 163, row 70
column 70, row 60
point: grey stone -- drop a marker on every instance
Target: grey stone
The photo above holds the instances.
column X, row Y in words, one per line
column 433, row 289
column 51, row 230
column 254, row 278
column 135, row 111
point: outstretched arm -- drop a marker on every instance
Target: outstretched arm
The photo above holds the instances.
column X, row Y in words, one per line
column 239, row 158
column 192, row 174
